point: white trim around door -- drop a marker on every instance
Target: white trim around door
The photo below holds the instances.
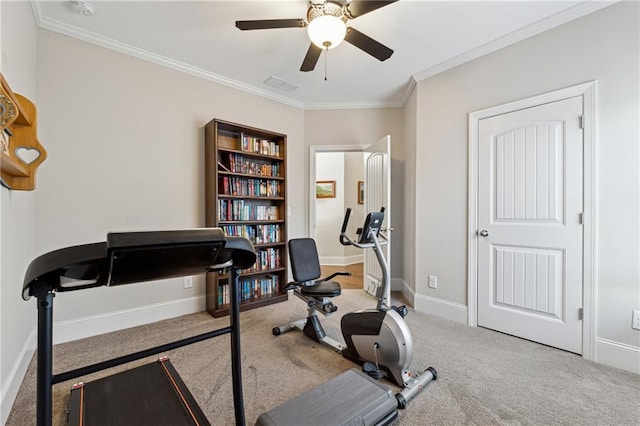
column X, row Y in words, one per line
column 588, row 92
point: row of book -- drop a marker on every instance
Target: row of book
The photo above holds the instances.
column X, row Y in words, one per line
column 240, row 164
column 254, row 187
column 241, row 210
column 266, row 259
column 257, row 234
column 260, row 146
column 250, row 289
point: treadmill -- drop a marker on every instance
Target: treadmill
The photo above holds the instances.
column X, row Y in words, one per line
column 152, row 394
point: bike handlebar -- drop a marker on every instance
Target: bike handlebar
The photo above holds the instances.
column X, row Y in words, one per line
column 346, row 220
column 346, row 241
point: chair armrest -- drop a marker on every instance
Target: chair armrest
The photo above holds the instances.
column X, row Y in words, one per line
column 291, row 286
column 335, row 274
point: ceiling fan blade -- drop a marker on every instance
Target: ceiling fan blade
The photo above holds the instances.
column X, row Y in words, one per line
column 360, row 7
column 265, row 24
column 311, row 58
column 367, row 44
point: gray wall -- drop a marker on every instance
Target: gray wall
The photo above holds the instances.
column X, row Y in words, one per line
column 409, row 185
column 365, row 127
column 602, row 46
column 17, row 211
column 126, row 146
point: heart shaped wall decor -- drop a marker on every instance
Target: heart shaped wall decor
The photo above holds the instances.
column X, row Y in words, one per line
column 27, row 155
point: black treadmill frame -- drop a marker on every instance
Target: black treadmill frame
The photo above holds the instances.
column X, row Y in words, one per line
column 43, row 289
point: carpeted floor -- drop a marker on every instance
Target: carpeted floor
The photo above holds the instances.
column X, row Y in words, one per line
column 484, row 377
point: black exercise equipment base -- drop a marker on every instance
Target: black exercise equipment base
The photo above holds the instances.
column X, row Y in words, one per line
column 152, row 394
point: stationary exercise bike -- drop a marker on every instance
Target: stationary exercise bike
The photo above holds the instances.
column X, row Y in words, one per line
column 378, row 338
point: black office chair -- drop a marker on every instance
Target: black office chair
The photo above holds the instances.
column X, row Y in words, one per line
column 316, row 292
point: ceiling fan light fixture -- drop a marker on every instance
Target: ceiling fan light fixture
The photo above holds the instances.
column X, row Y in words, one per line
column 327, row 31
column 83, row 8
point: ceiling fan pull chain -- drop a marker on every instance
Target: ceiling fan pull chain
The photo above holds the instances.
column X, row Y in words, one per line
column 326, row 53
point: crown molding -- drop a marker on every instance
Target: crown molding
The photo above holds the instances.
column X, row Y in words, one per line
column 531, row 30
column 59, row 27
column 353, row 105
column 56, row 26
column 582, row 9
column 409, row 90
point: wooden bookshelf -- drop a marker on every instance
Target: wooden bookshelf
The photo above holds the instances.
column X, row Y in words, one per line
column 245, row 195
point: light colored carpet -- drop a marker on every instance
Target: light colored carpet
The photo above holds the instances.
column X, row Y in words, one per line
column 484, row 377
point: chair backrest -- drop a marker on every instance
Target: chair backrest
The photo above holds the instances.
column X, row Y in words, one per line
column 305, row 264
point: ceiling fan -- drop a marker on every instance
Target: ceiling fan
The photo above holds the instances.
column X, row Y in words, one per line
column 327, row 26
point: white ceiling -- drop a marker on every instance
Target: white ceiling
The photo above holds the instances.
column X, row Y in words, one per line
column 200, row 38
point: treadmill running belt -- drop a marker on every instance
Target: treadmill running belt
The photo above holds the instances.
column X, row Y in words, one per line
column 153, row 394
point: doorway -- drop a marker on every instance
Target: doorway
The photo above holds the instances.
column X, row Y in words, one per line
column 341, row 171
column 367, row 189
column 531, row 219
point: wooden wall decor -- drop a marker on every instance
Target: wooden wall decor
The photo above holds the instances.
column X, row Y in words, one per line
column 20, row 151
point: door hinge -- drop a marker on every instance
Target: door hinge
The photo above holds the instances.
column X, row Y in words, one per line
column 581, row 218
column 582, row 121
column 581, row 314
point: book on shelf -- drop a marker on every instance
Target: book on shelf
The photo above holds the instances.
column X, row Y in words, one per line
column 261, row 146
column 260, row 187
column 232, row 210
column 250, row 289
column 240, row 164
column 257, row 234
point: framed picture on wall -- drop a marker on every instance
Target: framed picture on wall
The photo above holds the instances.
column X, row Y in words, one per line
column 326, row 189
column 360, row 192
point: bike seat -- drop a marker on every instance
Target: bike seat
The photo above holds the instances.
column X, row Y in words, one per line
column 322, row 289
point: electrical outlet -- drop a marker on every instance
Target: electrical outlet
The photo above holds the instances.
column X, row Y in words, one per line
column 433, row 281
column 635, row 320
column 188, row 282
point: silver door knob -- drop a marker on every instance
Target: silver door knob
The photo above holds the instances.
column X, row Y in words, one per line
column 484, row 233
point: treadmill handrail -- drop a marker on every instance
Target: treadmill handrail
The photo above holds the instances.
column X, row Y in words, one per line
column 91, row 265
column 82, row 262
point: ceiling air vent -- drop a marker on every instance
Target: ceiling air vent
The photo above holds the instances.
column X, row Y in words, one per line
column 278, row 83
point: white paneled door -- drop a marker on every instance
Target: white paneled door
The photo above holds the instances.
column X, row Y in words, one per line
column 530, row 180
column 377, row 195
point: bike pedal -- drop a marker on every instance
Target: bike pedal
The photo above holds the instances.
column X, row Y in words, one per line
column 402, row 310
column 373, row 371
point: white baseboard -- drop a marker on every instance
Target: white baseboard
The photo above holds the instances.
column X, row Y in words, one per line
column 398, row 284
column 79, row 328
column 608, row 352
column 618, row 355
column 341, row 260
column 9, row 389
column 442, row 308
